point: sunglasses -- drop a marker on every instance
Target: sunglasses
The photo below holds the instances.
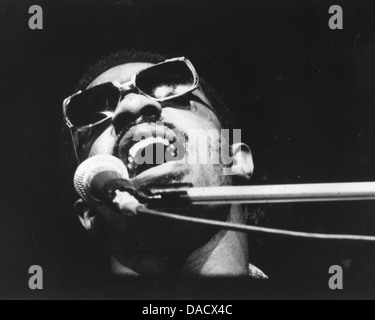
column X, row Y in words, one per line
column 162, row 82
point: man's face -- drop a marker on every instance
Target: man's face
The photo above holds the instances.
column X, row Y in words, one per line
column 139, row 117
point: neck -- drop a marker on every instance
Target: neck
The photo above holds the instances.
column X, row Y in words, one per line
column 226, row 254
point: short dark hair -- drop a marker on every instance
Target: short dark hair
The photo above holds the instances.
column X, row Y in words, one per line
column 224, row 113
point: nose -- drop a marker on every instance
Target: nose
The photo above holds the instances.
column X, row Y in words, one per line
column 132, row 107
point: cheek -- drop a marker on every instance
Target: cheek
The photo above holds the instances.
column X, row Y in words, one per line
column 104, row 144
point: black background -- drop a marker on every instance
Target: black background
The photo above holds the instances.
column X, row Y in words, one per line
column 304, row 96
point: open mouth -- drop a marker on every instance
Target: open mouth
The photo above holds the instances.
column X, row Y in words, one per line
column 148, row 146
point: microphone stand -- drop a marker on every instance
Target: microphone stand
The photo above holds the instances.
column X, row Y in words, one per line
column 178, row 194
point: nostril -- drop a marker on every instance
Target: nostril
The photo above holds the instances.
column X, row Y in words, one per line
column 122, row 120
column 150, row 110
column 132, row 107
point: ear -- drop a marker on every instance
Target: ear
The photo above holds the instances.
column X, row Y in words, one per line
column 85, row 215
column 243, row 165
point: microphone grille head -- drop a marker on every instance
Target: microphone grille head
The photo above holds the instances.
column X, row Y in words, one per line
column 96, row 164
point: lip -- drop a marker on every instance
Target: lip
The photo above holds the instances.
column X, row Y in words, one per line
column 169, row 170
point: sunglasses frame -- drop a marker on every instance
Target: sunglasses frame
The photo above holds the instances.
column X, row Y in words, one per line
column 127, row 86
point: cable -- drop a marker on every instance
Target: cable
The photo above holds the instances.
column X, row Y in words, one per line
column 249, row 229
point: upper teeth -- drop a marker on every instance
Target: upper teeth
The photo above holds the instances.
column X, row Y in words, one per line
column 145, row 143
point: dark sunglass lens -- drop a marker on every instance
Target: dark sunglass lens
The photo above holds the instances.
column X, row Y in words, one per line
column 166, row 80
column 90, row 106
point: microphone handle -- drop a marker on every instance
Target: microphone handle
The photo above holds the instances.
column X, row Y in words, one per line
column 104, row 185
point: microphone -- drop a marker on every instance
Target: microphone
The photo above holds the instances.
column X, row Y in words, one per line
column 99, row 177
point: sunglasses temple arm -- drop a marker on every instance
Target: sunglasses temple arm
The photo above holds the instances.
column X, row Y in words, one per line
column 74, row 146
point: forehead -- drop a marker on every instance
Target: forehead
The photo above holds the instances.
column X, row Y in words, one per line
column 121, row 73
